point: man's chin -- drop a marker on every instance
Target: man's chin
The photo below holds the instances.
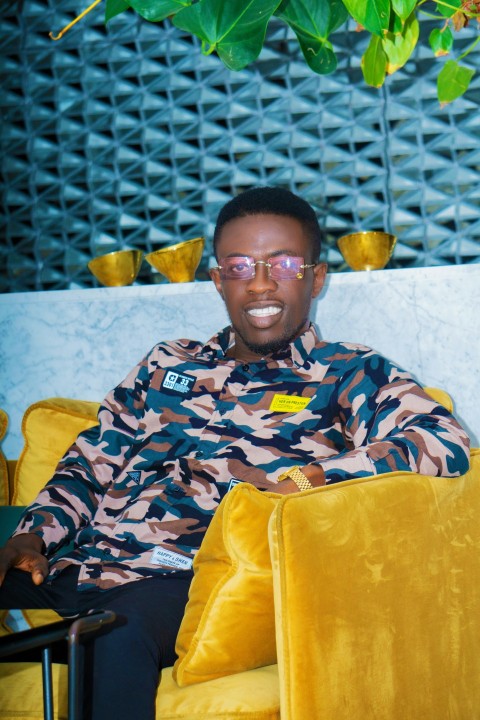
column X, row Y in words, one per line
column 273, row 344
column 269, row 347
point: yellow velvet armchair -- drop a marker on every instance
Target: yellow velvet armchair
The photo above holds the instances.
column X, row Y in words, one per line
column 359, row 600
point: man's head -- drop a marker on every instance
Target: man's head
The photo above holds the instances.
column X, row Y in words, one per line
column 267, row 243
column 272, row 201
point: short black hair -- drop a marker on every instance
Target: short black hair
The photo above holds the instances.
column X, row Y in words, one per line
column 271, row 201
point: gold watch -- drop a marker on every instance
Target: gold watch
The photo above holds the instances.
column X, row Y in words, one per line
column 298, row 477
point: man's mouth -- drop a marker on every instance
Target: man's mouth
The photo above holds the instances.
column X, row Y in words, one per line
column 267, row 311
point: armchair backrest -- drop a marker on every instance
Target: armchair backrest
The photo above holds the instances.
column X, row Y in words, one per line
column 377, row 598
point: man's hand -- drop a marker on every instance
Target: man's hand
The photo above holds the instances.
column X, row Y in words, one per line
column 24, row 552
column 286, row 487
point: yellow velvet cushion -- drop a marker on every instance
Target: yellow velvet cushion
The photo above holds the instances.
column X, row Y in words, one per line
column 228, row 626
column 49, row 427
column 440, row 396
column 377, row 598
column 21, row 695
column 252, row 695
column 12, row 621
column 4, row 491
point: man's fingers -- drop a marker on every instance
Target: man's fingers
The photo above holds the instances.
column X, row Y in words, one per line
column 39, row 573
column 25, row 552
column 30, row 561
column 36, row 565
column 38, row 577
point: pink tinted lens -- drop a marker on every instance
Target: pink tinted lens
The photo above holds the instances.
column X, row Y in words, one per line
column 285, row 267
column 237, row 268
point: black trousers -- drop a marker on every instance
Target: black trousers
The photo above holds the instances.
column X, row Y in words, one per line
column 122, row 663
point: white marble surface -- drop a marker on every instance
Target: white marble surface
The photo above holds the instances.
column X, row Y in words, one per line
column 81, row 343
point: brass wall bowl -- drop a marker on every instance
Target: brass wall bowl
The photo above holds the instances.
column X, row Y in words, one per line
column 178, row 262
column 116, row 268
column 369, row 250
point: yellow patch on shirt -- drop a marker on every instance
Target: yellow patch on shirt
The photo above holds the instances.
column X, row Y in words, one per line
column 288, row 403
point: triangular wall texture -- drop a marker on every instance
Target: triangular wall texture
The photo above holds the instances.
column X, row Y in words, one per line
column 127, row 136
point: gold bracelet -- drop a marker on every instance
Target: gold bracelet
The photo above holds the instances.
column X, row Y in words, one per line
column 298, row 477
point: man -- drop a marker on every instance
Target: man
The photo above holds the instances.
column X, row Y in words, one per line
column 266, row 402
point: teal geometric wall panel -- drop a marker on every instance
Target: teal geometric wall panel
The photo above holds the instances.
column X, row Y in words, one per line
column 127, row 136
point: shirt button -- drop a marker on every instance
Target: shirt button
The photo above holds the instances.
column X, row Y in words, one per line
column 199, row 453
column 246, row 367
column 222, row 411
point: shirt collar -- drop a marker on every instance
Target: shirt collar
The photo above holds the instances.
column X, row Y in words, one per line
column 298, row 351
column 218, row 345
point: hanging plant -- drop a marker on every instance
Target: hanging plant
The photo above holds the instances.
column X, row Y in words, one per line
column 235, row 30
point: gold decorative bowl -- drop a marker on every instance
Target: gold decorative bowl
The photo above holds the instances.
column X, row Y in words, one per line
column 369, row 250
column 116, row 268
column 178, row 262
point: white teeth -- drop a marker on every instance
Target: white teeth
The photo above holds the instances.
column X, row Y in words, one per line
column 264, row 311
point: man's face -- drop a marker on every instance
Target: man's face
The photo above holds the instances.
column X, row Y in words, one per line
column 266, row 314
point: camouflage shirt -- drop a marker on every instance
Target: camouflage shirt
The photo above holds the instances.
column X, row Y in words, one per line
column 137, row 492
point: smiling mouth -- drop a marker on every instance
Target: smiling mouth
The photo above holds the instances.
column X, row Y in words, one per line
column 264, row 311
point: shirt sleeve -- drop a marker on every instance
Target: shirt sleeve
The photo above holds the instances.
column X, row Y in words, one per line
column 389, row 423
column 70, row 498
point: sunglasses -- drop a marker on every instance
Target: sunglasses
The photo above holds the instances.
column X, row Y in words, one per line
column 280, row 267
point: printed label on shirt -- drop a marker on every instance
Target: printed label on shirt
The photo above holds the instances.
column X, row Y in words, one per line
column 160, row 556
column 134, row 475
column 288, row 403
column 178, row 383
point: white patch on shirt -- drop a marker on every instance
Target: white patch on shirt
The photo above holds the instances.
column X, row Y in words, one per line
column 160, row 556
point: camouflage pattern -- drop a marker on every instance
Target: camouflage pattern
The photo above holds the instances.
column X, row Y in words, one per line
column 137, row 492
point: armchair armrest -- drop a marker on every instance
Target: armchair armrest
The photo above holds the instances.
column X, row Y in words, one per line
column 377, row 598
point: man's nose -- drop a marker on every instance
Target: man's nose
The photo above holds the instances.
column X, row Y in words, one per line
column 261, row 281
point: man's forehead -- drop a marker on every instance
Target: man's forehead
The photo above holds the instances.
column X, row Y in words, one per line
column 277, row 233
column 272, row 254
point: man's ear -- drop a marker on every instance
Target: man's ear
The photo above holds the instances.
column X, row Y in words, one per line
column 215, row 275
column 319, row 275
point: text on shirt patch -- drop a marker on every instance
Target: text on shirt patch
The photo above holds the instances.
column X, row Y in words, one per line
column 160, row 556
column 178, row 383
column 288, row 403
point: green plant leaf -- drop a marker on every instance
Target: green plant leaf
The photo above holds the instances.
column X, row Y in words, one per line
column 373, row 15
column 321, row 16
column 404, row 8
column 447, row 8
column 115, row 7
column 234, row 28
column 312, row 24
column 157, row 10
column 374, row 63
column 398, row 48
column 441, row 41
column 453, row 80
column 396, row 24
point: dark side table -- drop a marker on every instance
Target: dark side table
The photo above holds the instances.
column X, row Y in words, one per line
column 73, row 630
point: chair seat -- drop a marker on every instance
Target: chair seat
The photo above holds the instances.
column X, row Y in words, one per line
column 21, row 696
column 253, row 695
